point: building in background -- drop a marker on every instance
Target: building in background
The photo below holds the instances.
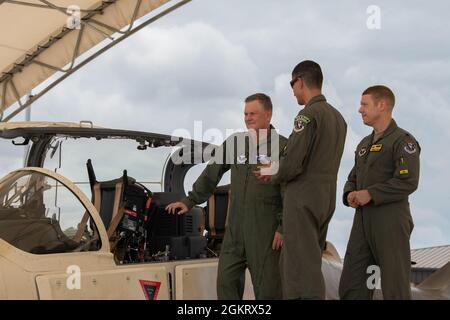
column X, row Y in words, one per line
column 427, row 260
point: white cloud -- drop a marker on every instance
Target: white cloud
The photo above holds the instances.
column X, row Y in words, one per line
column 11, row 156
column 195, row 57
column 428, row 236
column 164, row 79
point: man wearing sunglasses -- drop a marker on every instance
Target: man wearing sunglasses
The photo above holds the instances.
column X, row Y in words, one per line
column 308, row 166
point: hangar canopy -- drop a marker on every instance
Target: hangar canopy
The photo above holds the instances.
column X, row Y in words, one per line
column 44, row 38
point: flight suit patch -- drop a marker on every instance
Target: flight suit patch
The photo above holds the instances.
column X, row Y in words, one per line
column 403, row 170
column 241, row 159
column 300, row 122
column 362, row 151
column 262, row 158
column 410, row 147
column 376, row 148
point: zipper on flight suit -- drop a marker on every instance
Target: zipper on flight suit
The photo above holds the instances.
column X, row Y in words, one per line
column 366, row 156
column 247, row 155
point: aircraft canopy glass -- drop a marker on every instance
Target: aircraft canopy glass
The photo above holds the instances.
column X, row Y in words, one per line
column 40, row 215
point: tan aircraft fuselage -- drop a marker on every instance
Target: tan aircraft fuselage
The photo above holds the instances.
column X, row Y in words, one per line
column 95, row 274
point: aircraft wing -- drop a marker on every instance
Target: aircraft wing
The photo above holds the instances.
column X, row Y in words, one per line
column 436, row 286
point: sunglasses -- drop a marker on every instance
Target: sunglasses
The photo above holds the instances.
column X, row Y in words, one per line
column 293, row 81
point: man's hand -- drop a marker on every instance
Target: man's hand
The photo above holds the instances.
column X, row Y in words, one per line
column 277, row 242
column 174, row 206
column 262, row 171
column 363, row 197
column 351, row 199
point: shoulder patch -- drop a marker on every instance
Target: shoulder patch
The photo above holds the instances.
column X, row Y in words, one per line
column 304, row 118
column 301, row 122
column 410, row 147
column 362, row 151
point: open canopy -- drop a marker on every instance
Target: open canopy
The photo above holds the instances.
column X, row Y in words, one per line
column 39, row 38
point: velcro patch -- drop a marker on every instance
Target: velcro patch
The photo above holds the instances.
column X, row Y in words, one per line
column 376, row 147
column 411, row 147
column 300, row 122
column 362, row 151
column 304, row 119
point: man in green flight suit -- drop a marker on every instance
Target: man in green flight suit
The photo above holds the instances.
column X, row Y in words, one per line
column 386, row 172
column 253, row 235
column 308, row 167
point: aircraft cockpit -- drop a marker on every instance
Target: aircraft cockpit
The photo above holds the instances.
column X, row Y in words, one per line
column 128, row 176
column 31, row 220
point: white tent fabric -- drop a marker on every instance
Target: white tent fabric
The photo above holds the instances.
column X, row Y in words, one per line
column 40, row 37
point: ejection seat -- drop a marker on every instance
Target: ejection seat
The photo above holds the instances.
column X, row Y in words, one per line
column 217, row 210
column 123, row 205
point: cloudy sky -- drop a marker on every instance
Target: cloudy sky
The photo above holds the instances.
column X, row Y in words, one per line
column 200, row 62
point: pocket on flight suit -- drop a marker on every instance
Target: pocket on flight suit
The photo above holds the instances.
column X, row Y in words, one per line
column 268, row 215
column 380, row 166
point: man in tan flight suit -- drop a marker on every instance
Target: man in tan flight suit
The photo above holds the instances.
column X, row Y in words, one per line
column 308, row 167
column 386, row 172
